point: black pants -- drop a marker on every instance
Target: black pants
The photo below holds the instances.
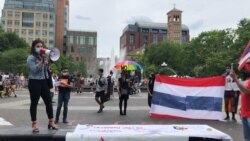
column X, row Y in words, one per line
column 37, row 89
column 149, row 100
column 125, row 99
column 63, row 99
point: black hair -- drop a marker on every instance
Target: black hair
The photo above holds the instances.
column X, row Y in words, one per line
column 32, row 50
column 100, row 70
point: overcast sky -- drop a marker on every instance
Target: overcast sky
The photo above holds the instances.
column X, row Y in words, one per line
column 110, row 17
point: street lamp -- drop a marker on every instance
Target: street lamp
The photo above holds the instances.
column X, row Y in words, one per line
column 164, row 64
column 166, row 69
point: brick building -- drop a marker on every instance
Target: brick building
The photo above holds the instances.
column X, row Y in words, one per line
column 82, row 45
column 137, row 36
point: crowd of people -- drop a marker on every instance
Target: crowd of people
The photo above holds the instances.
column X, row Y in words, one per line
column 10, row 82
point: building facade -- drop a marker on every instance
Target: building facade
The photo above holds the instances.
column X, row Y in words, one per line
column 82, row 45
column 30, row 19
column 62, row 24
column 136, row 37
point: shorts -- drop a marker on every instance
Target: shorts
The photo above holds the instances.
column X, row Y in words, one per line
column 99, row 94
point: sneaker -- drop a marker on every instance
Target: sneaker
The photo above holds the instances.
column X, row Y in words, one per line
column 226, row 118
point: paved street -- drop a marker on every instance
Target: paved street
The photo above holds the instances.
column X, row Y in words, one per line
column 83, row 110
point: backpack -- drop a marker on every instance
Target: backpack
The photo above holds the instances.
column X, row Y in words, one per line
column 109, row 80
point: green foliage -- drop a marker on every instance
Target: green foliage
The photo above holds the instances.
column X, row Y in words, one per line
column 82, row 68
column 10, row 41
column 64, row 61
column 205, row 55
column 14, row 60
column 68, row 61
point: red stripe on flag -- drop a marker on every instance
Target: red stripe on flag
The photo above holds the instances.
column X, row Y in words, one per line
column 165, row 116
column 243, row 58
column 192, row 82
column 152, row 115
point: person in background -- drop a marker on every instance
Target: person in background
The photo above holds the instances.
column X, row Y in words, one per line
column 245, row 101
column 79, row 83
column 91, row 83
column 229, row 96
column 55, row 79
column 150, row 87
column 110, row 80
column 38, row 85
column 123, row 91
column 101, row 90
column 22, row 81
column 64, row 94
column 1, row 86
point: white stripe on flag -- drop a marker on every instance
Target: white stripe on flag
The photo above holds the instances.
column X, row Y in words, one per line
column 244, row 58
column 182, row 91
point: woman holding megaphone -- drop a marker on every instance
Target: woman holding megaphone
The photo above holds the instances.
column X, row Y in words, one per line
column 38, row 84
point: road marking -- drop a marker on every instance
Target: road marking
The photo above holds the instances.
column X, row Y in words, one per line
column 3, row 122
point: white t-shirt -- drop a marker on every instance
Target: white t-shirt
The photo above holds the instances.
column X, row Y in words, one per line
column 228, row 84
column 103, row 81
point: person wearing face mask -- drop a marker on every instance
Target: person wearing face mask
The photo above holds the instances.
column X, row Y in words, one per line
column 38, row 85
column 64, row 94
column 229, row 96
column 123, row 91
column 150, row 88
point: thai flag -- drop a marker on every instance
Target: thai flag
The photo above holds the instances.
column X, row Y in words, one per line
column 245, row 55
column 190, row 98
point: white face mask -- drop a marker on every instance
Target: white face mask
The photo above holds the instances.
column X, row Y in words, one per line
column 65, row 73
column 37, row 50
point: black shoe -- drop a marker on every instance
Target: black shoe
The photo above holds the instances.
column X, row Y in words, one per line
column 100, row 110
column 226, row 118
column 65, row 121
column 121, row 113
column 50, row 127
column 233, row 118
column 102, row 106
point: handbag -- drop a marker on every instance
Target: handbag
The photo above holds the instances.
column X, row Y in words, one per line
column 49, row 80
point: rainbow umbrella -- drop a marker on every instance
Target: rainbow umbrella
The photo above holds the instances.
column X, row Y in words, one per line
column 128, row 65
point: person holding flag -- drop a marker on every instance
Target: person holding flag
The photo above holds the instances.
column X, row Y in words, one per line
column 245, row 92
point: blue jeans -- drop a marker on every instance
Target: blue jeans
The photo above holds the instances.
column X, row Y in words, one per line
column 63, row 98
column 246, row 128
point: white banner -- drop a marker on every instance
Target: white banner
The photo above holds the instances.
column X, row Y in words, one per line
column 143, row 133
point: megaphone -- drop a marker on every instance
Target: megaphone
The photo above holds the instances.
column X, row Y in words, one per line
column 54, row 53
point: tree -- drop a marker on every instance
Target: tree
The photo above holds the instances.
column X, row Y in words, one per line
column 156, row 54
column 14, row 60
column 64, row 61
column 11, row 40
column 210, row 52
column 81, row 68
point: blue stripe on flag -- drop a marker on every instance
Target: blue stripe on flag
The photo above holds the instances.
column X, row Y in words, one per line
column 187, row 103
column 204, row 103
column 168, row 100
